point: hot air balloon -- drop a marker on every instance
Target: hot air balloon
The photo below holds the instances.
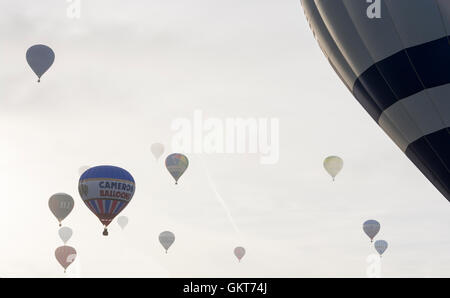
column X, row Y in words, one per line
column 157, row 150
column 106, row 190
column 65, row 233
column 40, row 58
column 166, row 239
column 176, row 164
column 398, row 68
column 61, row 204
column 122, row 221
column 371, row 228
column 381, row 246
column 239, row 252
column 333, row 165
column 65, row 255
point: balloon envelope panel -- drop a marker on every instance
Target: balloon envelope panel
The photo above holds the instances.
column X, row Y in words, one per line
column 106, row 190
column 398, row 68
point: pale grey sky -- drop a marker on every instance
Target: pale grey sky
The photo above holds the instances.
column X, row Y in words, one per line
column 124, row 72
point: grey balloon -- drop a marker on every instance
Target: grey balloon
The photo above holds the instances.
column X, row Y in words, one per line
column 157, row 150
column 166, row 239
column 65, row 233
column 122, row 221
column 61, row 204
column 40, row 58
column 381, row 246
column 239, row 252
column 371, row 228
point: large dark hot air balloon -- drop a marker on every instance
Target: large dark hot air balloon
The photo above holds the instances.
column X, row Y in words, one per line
column 40, row 58
column 398, row 68
column 106, row 190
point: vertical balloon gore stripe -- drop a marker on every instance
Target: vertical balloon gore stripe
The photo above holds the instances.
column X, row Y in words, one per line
column 118, row 207
column 108, row 206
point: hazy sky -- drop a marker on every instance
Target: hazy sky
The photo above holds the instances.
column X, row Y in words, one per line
column 124, row 72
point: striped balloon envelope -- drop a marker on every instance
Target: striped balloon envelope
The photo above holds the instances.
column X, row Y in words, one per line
column 395, row 59
column 106, row 190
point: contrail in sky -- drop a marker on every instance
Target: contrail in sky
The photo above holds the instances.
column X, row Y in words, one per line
column 219, row 198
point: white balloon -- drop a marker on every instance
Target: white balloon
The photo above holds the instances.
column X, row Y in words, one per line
column 333, row 165
column 166, row 239
column 157, row 150
column 122, row 221
column 371, row 228
column 381, row 246
column 239, row 252
column 65, row 233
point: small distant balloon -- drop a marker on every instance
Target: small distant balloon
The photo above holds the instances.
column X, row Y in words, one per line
column 65, row 233
column 333, row 165
column 65, row 255
column 83, row 169
column 381, row 246
column 157, row 150
column 166, row 239
column 40, row 58
column 371, row 228
column 177, row 164
column 61, row 204
column 122, row 221
column 239, row 252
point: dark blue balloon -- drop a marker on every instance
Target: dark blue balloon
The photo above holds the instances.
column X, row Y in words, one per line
column 40, row 58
